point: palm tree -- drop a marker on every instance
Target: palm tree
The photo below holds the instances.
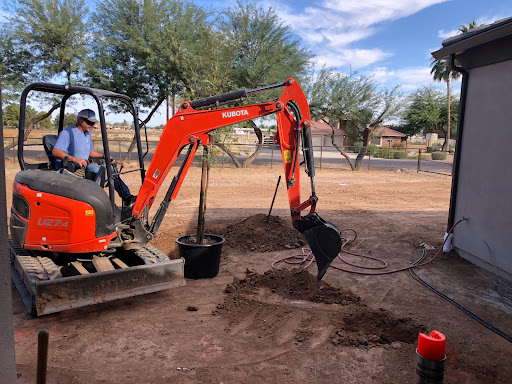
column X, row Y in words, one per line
column 472, row 25
column 442, row 71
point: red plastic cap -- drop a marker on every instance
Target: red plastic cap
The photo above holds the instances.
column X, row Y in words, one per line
column 433, row 346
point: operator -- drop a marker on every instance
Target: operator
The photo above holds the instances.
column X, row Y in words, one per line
column 75, row 144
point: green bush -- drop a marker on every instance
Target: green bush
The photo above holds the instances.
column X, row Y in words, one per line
column 400, row 155
column 376, row 152
column 357, row 147
column 430, row 149
column 438, row 155
column 382, row 153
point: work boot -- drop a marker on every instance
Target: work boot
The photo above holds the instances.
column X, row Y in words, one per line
column 129, row 201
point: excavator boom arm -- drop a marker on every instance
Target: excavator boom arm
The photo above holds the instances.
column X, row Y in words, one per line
column 191, row 126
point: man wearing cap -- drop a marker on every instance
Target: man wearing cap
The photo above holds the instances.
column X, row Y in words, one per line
column 75, row 144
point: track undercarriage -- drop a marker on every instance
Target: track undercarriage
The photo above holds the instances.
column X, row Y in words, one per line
column 50, row 283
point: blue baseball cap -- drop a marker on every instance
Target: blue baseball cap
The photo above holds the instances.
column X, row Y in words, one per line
column 88, row 114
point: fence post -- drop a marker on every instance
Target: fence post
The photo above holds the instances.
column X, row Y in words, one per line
column 369, row 158
column 13, row 150
column 120, row 156
column 419, row 161
column 272, row 156
column 321, row 155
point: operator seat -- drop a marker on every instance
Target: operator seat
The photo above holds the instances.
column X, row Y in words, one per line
column 48, row 144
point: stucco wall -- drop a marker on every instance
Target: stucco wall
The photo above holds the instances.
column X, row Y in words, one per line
column 7, row 359
column 485, row 181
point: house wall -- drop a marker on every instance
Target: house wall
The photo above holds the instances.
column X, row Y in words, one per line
column 382, row 141
column 7, row 358
column 325, row 140
column 485, row 178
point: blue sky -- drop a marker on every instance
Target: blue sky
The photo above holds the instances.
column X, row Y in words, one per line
column 391, row 40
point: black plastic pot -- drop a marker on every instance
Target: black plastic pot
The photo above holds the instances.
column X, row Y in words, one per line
column 202, row 261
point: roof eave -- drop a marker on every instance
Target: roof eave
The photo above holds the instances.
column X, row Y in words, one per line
column 479, row 36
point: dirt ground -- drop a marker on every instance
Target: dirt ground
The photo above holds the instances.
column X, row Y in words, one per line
column 255, row 324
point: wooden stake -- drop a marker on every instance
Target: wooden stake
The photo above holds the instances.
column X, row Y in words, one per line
column 202, row 196
column 42, row 355
column 275, row 193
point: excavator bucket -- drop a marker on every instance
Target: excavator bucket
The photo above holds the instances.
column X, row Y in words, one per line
column 324, row 240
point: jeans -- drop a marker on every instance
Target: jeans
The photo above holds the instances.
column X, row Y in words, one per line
column 119, row 185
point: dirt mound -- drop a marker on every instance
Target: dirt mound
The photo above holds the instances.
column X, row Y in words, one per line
column 256, row 233
column 289, row 302
column 297, row 284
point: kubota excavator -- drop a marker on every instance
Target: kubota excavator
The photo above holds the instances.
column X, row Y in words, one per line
column 73, row 246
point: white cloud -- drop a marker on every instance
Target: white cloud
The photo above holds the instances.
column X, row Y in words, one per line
column 409, row 79
column 369, row 12
column 339, row 39
column 356, row 58
column 447, row 34
column 483, row 20
column 489, row 19
column 336, row 25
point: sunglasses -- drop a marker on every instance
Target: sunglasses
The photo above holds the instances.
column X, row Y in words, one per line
column 89, row 123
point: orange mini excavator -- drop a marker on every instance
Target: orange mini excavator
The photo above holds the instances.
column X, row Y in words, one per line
column 72, row 245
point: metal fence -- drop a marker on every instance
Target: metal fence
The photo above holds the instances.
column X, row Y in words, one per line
column 326, row 157
column 443, row 162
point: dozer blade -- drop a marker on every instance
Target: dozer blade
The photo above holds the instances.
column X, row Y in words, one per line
column 44, row 290
column 323, row 238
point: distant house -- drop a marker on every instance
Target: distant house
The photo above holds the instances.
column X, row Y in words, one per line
column 382, row 136
column 385, row 136
column 482, row 175
column 321, row 135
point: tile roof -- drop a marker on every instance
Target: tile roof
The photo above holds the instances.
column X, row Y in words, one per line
column 321, row 128
column 387, row 132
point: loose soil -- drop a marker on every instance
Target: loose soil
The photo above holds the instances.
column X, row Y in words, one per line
column 262, row 233
column 256, row 324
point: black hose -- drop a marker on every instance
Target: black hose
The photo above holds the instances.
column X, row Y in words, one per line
column 296, row 111
column 489, row 326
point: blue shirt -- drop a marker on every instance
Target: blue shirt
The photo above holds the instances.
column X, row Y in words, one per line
column 75, row 143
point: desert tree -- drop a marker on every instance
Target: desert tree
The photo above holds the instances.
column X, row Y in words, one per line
column 426, row 111
column 156, row 48
column 143, row 49
column 16, row 64
column 265, row 50
column 355, row 100
column 261, row 50
column 55, row 32
column 54, row 35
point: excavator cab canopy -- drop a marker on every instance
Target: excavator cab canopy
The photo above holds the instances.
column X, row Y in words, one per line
column 29, row 151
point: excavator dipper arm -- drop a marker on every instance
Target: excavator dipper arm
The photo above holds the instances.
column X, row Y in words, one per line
column 190, row 126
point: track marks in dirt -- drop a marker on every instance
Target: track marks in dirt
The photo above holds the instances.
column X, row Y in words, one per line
column 285, row 307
